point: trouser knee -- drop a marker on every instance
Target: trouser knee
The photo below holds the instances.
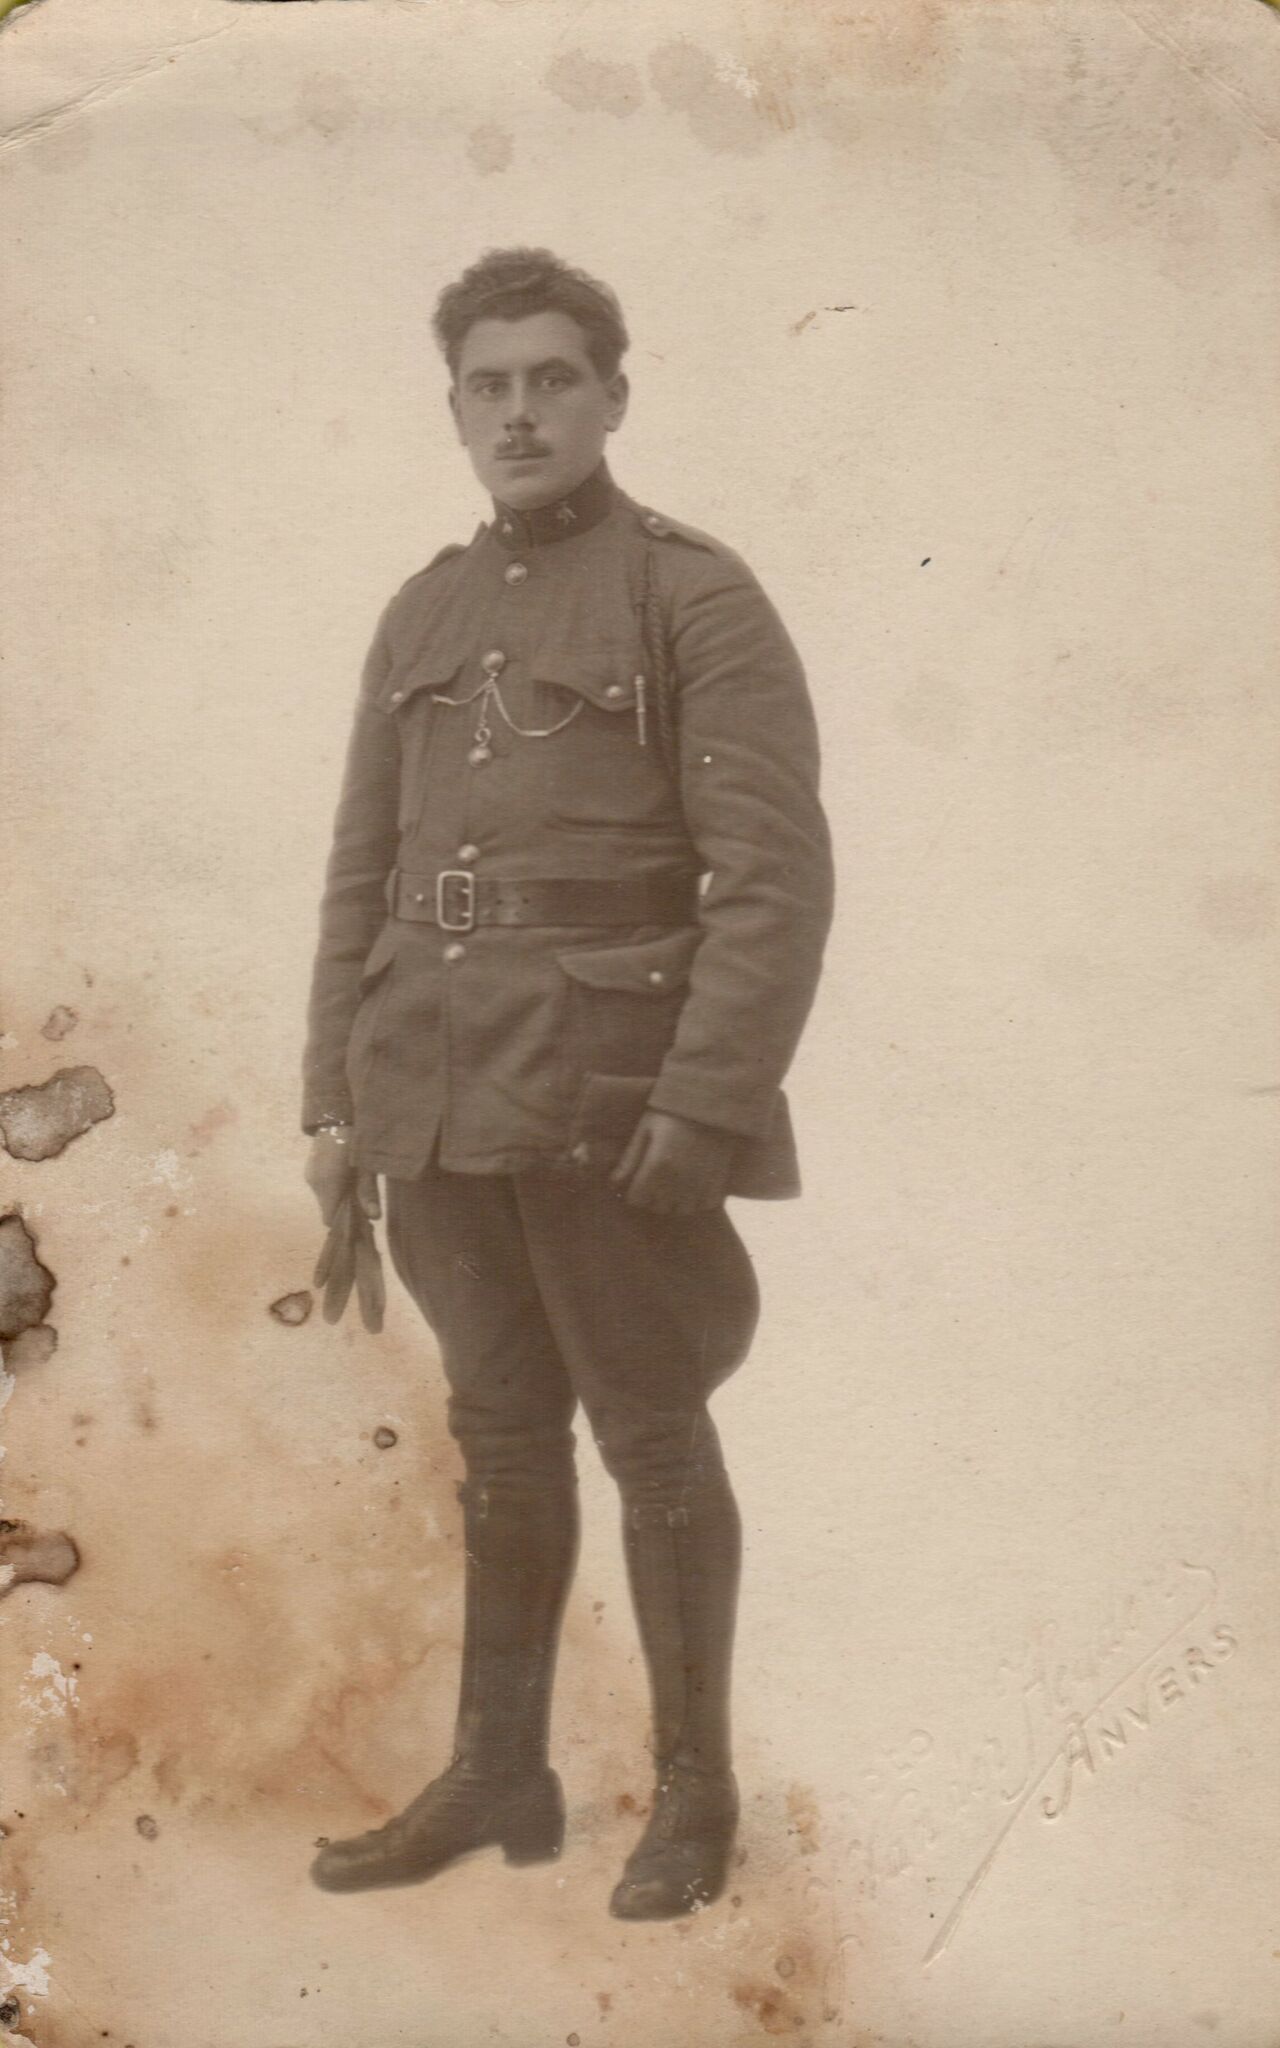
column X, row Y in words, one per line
column 514, row 1459
column 660, row 1458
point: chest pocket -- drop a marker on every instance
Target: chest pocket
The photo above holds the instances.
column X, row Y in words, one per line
column 407, row 697
column 604, row 770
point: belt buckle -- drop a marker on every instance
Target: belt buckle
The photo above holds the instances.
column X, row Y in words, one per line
column 467, row 921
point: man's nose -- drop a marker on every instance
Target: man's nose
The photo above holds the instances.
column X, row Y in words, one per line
column 520, row 411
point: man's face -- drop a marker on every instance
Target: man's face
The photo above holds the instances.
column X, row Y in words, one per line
column 531, row 408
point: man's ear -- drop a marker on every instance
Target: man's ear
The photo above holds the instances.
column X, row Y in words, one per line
column 456, row 410
column 619, row 392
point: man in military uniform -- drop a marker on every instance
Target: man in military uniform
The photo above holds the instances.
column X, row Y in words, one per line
column 572, row 926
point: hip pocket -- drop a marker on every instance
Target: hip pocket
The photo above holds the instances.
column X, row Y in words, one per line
column 624, row 1001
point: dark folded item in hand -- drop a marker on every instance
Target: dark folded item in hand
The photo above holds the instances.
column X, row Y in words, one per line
column 349, row 1256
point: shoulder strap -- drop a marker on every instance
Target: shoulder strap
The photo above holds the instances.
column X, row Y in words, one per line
column 658, row 528
column 661, row 667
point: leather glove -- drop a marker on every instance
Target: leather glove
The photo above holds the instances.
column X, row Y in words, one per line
column 349, row 1257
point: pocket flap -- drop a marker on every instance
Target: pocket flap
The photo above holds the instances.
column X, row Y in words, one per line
column 611, row 680
column 407, row 682
column 437, row 652
column 643, row 967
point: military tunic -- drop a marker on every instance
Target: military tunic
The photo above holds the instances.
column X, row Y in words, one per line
column 507, row 726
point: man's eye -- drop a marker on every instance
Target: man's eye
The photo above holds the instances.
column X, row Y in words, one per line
column 555, row 378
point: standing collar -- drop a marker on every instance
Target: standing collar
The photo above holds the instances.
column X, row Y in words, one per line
column 584, row 507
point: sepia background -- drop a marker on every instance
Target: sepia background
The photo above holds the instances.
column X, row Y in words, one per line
column 957, row 318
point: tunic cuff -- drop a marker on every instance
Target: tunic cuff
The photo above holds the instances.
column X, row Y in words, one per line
column 705, row 1106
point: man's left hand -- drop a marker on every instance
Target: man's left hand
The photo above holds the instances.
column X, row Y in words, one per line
column 675, row 1166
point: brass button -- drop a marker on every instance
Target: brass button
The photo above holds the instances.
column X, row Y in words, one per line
column 515, row 572
column 418, row 896
column 494, row 661
column 457, row 951
column 468, row 853
column 397, row 697
column 581, row 1155
column 656, row 976
column 616, row 690
column 653, row 521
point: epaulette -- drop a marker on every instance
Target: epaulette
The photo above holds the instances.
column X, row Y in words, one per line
column 454, row 547
column 664, row 528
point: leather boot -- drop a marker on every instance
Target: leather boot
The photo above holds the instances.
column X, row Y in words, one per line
column 683, row 1562
column 498, row 1789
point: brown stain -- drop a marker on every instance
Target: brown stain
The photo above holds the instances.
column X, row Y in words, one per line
column 490, row 149
column 1138, row 138
column 236, row 1708
column 59, row 1023
column 252, row 1694
column 770, row 2005
column 292, row 1309
column 219, row 1118
column 836, row 61
column 723, row 115
column 35, row 1346
column 40, row 1121
column 26, row 1285
column 802, row 1818
column 824, row 68
column 1236, row 910
column 27, row 1555
column 791, row 1921
column 210, row 1273
column 326, row 104
column 590, row 85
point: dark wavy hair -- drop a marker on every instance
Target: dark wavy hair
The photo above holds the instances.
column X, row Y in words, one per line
column 509, row 284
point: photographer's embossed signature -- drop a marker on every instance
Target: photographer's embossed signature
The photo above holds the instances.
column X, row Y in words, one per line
column 1063, row 1716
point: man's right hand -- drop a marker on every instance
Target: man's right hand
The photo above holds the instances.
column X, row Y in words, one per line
column 331, row 1170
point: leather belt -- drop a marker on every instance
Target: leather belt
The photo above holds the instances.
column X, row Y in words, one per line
column 456, row 900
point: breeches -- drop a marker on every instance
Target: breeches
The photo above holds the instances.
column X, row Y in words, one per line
column 544, row 1291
